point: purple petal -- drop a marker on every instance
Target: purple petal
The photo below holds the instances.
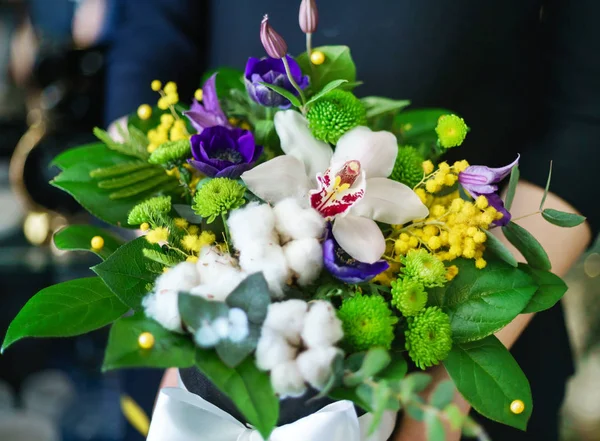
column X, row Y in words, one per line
column 495, row 201
column 209, row 95
column 257, row 152
column 246, row 145
column 477, row 190
column 251, row 66
column 203, row 168
column 347, row 269
column 201, row 119
column 480, row 174
column 233, row 171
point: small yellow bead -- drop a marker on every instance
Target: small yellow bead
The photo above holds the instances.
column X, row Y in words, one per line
column 517, row 407
column 146, row 340
column 155, row 85
column 97, row 242
column 163, row 103
column 198, row 94
column 170, row 88
column 145, row 226
column 317, row 58
column 172, row 98
column 144, row 112
column 167, row 119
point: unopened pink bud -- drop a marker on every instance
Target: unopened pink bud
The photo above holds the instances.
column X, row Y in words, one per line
column 309, row 16
column 273, row 43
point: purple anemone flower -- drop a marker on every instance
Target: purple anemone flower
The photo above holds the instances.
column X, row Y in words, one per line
column 272, row 71
column 224, row 153
column 480, row 180
column 345, row 268
column 209, row 113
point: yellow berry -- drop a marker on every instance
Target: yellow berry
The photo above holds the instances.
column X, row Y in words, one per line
column 460, row 166
column 317, row 58
column 234, row 121
column 517, row 407
column 471, row 231
column 469, row 253
column 172, row 98
column 163, row 103
column 428, row 167
column 170, row 88
column 145, row 226
column 167, row 119
column 146, row 340
column 144, row 112
column 155, row 85
column 198, row 94
column 97, row 242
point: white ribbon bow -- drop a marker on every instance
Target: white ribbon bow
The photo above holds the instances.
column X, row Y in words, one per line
column 182, row 416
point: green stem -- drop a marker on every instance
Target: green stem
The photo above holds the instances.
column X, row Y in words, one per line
column 294, row 84
column 309, row 45
column 269, row 113
column 226, row 229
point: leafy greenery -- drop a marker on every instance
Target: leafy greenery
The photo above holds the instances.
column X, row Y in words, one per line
column 481, row 302
column 550, row 290
column 123, row 350
column 284, row 93
column 512, row 187
column 527, row 245
column 328, row 88
column 66, row 309
column 228, row 79
column 495, row 246
column 338, row 65
column 487, row 375
column 562, row 219
column 79, row 237
column 547, row 187
column 377, row 105
column 253, row 296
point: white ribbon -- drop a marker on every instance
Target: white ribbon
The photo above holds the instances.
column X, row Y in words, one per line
column 182, row 416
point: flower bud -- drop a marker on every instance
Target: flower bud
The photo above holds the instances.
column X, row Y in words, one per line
column 309, row 16
column 273, row 43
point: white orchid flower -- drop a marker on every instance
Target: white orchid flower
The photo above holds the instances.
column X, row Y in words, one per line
column 348, row 186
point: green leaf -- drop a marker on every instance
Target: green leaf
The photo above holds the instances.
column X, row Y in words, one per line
column 128, row 147
column 344, row 393
column 442, row 395
column 195, row 310
column 418, row 126
column 435, row 428
column 547, row 187
column 495, row 246
column 265, row 134
column 550, row 290
column 528, row 246
column 338, row 65
column 123, row 351
column 228, row 79
column 284, row 93
column 396, row 370
column 64, row 310
column 335, row 379
column 253, row 296
column 487, row 375
column 375, row 360
column 480, row 302
column 562, row 219
column 126, row 273
column 233, row 353
column 512, row 187
column 79, row 237
column 328, row 88
column 377, row 105
column 248, row 388
column 382, row 395
column 414, row 383
column 454, row 416
column 77, row 155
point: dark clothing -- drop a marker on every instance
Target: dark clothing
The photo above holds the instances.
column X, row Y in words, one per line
column 525, row 75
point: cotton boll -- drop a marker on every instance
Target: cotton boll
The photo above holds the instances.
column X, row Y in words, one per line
column 315, row 365
column 238, row 324
column 321, row 325
column 219, row 275
column 292, row 221
column 287, row 380
column 162, row 307
column 207, row 336
column 253, row 223
column 305, row 258
column 181, row 277
column 273, row 266
column 211, row 258
column 272, row 349
column 287, row 319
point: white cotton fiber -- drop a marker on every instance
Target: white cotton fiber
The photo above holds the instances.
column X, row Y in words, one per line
column 315, row 365
column 321, row 328
column 287, row 380
column 272, row 350
column 305, row 258
column 272, row 264
column 292, row 221
column 287, row 319
column 251, row 224
column 181, row 277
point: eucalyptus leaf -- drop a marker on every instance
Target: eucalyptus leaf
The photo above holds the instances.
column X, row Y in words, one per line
column 528, row 246
column 233, row 353
column 495, row 246
column 414, row 383
column 196, row 310
column 512, row 187
column 442, row 395
column 123, row 350
column 338, row 65
column 550, row 290
column 345, row 393
column 381, row 398
column 284, row 93
column 328, row 88
column 79, row 237
column 562, row 219
column 435, row 428
column 248, row 388
column 375, row 360
column 253, row 296
column 64, row 310
column 487, row 375
column 396, row 370
column 377, row 105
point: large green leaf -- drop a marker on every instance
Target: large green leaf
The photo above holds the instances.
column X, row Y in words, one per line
column 562, row 219
column 550, row 290
column 77, row 155
column 252, row 295
column 338, row 65
column 248, row 388
column 123, row 351
column 377, row 105
column 487, row 375
column 228, row 78
column 527, row 245
column 79, row 237
column 494, row 245
column 480, row 302
column 418, row 126
column 328, row 88
column 126, row 272
column 66, row 309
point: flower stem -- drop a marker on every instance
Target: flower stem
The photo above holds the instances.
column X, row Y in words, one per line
column 309, row 45
column 294, row 84
column 226, row 229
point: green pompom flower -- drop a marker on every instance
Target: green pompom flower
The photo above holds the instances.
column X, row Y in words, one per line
column 408, row 168
column 149, row 210
column 451, row 130
column 408, row 296
column 217, row 197
column 334, row 114
column 170, row 152
column 428, row 337
column 367, row 322
column 424, row 267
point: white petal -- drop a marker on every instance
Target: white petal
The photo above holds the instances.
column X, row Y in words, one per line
column 277, row 179
column 360, row 237
column 298, row 141
column 376, row 151
column 389, row 202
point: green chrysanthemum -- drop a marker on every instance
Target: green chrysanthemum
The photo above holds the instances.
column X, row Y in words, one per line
column 170, row 152
column 149, row 210
column 408, row 296
column 367, row 322
column 408, row 167
column 428, row 337
column 424, row 267
column 218, row 196
column 334, row 114
column 451, row 130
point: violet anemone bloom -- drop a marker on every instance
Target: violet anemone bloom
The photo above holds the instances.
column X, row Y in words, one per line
column 343, row 267
column 224, row 153
column 478, row 180
column 272, row 71
column 209, row 113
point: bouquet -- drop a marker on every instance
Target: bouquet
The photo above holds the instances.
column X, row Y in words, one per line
column 298, row 241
